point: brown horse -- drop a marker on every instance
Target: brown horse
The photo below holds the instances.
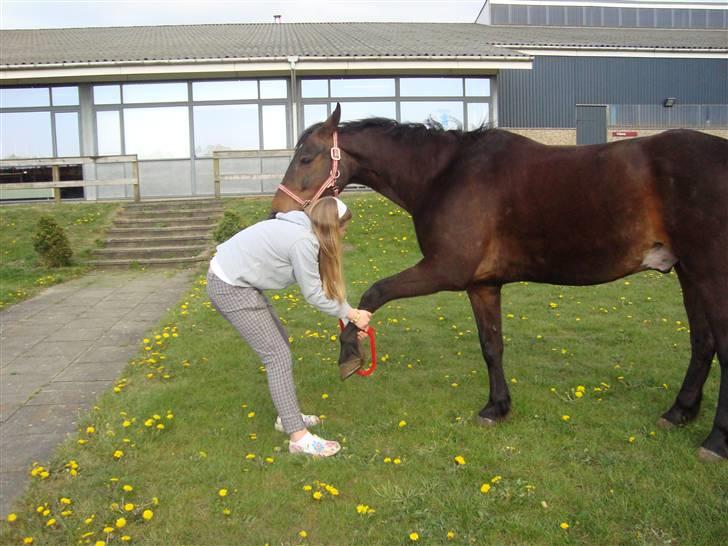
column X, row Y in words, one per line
column 490, row 207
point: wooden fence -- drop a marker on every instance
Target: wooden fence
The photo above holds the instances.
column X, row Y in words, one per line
column 55, row 163
column 260, row 155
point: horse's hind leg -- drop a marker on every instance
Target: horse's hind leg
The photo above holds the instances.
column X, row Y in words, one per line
column 714, row 292
column 486, row 308
column 687, row 403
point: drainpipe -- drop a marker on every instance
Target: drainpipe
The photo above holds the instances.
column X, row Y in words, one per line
column 292, row 60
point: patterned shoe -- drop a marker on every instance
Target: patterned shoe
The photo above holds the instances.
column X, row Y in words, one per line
column 308, row 420
column 315, row 446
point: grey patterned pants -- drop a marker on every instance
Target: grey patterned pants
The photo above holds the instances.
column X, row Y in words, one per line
column 250, row 312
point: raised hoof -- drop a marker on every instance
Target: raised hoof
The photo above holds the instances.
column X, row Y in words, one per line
column 665, row 424
column 709, row 456
column 349, row 368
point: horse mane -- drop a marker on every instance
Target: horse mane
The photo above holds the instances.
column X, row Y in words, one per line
column 413, row 132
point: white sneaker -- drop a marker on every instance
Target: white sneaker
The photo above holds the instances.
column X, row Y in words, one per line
column 313, row 445
column 308, row 420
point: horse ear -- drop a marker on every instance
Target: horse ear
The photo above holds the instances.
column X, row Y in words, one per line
column 333, row 121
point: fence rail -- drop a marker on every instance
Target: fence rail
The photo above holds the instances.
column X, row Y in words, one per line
column 260, row 155
column 55, row 163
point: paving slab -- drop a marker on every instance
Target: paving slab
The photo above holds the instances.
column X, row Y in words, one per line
column 60, row 350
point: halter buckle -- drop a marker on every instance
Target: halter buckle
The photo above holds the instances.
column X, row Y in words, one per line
column 336, row 153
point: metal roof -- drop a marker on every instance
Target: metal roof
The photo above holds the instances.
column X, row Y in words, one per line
column 184, row 43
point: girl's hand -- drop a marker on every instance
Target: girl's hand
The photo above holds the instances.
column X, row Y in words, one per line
column 361, row 334
column 360, row 318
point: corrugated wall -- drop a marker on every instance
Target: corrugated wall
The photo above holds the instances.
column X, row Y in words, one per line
column 547, row 95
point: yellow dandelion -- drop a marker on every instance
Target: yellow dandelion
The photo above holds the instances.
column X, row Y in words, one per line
column 12, row 517
column 402, row 424
column 485, row 488
column 226, row 512
column 414, row 537
column 317, row 495
column 459, row 459
column 125, row 538
column 147, row 515
column 565, row 418
column 51, row 522
column 128, row 507
column 90, row 430
column 564, row 525
column 118, row 454
column 302, row 534
column 307, row 487
column 127, row 488
column 121, row 522
column 223, row 492
column 450, row 535
column 27, row 540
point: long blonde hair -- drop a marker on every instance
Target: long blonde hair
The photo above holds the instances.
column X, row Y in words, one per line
column 326, row 225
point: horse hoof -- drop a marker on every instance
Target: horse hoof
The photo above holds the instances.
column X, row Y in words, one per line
column 664, row 424
column 484, row 421
column 709, row 456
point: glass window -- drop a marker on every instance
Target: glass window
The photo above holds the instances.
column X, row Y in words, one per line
column 447, row 114
column 157, row 133
column 374, row 87
column 67, row 138
column 274, row 127
column 359, row 110
column 25, row 134
column 273, row 89
column 313, row 113
column 227, row 90
column 431, row 87
column 26, row 96
column 108, row 131
column 135, row 93
column 65, row 96
column 312, row 89
column 233, row 127
column 107, row 94
column 477, row 87
column 478, row 114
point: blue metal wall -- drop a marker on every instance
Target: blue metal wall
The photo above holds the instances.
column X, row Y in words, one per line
column 547, row 95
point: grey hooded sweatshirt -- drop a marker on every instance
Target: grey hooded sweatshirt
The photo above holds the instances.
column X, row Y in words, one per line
column 275, row 254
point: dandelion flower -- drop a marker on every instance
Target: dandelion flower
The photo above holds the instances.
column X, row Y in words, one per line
column 565, row 418
column 127, row 488
column 402, row 424
column 414, row 537
column 118, row 454
column 459, row 459
column 485, row 488
column 128, row 507
column 27, row 540
column 450, row 535
column 121, row 522
column 147, row 515
column 317, row 495
column 51, row 522
column 125, row 538
column 223, row 492
column 564, row 525
column 302, row 534
column 226, row 512
column 12, row 517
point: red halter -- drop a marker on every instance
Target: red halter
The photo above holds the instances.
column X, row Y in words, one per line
column 330, row 182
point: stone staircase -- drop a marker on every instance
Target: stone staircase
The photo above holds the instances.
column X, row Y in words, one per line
column 160, row 234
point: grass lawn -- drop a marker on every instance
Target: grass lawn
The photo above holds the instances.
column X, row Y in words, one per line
column 21, row 276
column 188, row 428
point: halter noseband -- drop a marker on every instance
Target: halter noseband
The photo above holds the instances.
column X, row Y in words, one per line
column 330, row 182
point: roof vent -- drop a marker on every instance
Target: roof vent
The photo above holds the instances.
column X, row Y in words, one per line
column 277, row 18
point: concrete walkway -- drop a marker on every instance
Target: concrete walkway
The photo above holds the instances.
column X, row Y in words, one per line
column 61, row 349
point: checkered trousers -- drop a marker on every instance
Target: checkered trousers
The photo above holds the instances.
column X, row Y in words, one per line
column 250, row 312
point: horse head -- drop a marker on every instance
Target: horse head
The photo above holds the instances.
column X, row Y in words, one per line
column 314, row 168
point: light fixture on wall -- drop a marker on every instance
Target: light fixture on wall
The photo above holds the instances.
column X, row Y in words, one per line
column 669, row 102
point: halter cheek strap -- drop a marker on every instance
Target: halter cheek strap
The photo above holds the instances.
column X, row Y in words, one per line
column 330, row 182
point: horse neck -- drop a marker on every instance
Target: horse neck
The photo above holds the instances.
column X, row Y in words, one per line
column 394, row 168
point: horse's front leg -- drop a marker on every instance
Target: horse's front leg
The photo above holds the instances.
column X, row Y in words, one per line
column 487, row 310
column 426, row 277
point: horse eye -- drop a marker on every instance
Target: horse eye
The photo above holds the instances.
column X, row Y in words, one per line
column 306, row 160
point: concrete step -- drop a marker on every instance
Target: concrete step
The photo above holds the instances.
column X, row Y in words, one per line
column 150, row 262
column 175, row 205
column 171, row 231
column 164, row 215
column 177, row 220
column 149, row 252
column 156, row 240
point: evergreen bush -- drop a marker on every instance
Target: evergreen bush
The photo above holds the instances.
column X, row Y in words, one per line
column 229, row 225
column 51, row 243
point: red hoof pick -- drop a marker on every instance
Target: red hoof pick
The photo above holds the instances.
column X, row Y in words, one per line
column 372, row 346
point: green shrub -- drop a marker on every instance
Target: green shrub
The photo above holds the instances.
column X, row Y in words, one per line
column 229, row 225
column 51, row 243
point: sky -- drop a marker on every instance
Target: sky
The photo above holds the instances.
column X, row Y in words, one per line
column 74, row 13
column 102, row 13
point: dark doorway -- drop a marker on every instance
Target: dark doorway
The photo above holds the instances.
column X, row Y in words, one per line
column 45, row 174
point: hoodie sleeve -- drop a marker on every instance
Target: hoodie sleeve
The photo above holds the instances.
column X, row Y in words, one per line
column 304, row 258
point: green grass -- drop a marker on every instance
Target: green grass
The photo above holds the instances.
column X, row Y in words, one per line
column 626, row 343
column 21, row 275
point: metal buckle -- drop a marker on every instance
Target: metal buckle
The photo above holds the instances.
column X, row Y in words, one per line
column 336, row 153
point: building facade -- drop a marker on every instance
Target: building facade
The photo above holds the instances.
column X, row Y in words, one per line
column 174, row 94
